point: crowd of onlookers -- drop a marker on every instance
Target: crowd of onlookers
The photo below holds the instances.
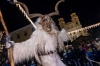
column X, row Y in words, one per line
column 72, row 55
column 77, row 55
column 5, row 62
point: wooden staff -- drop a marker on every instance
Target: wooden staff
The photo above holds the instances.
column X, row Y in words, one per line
column 7, row 34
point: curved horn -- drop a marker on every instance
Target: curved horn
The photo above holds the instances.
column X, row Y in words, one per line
column 35, row 15
column 56, row 9
column 23, row 5
column 27, row 11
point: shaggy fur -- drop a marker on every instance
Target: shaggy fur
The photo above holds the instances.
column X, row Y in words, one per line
column 41, row 42
column 97, row 45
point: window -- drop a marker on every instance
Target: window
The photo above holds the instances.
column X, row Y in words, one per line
column 5, row 39
column 77, row 23
column 75, row 18
column 33, row 29
column 73, row 15
column 74, row 37
column 18, row 35
column 25, row 33
column 11, row 38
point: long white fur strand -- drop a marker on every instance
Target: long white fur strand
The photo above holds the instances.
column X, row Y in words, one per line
column 40, row 41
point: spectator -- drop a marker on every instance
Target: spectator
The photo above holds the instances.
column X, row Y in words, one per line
column 69, row 58
column 6, row 63
column 33, row 63
column 0, row 63
column 76, row 56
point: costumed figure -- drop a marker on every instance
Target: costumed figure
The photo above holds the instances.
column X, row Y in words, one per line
column 44, row 42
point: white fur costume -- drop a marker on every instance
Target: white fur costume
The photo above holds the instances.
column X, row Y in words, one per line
column 41, row 43
column 97, row 45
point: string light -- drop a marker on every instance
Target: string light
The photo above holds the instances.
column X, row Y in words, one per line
column 1, row 35
column 85, row 28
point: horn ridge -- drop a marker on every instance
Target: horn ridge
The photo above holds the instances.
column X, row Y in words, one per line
column 23, row 5
column 27, row 10
column 35, row 15
column 56, row 9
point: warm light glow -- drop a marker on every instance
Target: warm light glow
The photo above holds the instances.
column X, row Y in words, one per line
column 1, row 45
column 85, row 28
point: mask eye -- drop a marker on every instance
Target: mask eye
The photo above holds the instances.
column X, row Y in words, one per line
column 44, row 20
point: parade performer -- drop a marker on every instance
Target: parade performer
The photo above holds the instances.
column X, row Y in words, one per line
column 44, row 42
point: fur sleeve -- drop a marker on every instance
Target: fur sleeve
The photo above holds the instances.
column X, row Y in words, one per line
column 62, row 37
column 38, row 43
column 28, row 49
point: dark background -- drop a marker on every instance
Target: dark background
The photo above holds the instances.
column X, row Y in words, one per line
column 87, row 10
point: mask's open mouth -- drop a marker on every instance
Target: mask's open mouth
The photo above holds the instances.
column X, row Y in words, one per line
column 48, row 26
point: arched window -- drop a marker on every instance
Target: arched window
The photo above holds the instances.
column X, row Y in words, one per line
column 18, row 35
column 11, row 38
column 76, row 23
column 25, row 32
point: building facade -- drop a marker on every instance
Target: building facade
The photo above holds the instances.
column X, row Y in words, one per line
column 22, row 34
column 73, row 25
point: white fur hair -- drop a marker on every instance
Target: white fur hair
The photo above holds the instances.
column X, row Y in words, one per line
column 97, row 45
column 40, row 41
column 52, row 60
column 62, row 35
column 53, row 25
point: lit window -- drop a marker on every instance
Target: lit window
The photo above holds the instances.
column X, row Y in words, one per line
column 25, row 33
column 75, row 18
column 11, row 38
column 18, row 35
column 77, row 23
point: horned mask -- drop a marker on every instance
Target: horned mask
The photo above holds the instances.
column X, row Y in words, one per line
column 45, row 19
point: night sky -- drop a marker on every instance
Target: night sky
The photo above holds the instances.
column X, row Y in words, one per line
column 87, row 10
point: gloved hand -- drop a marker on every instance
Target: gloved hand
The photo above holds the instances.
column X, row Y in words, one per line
column 9, row 44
